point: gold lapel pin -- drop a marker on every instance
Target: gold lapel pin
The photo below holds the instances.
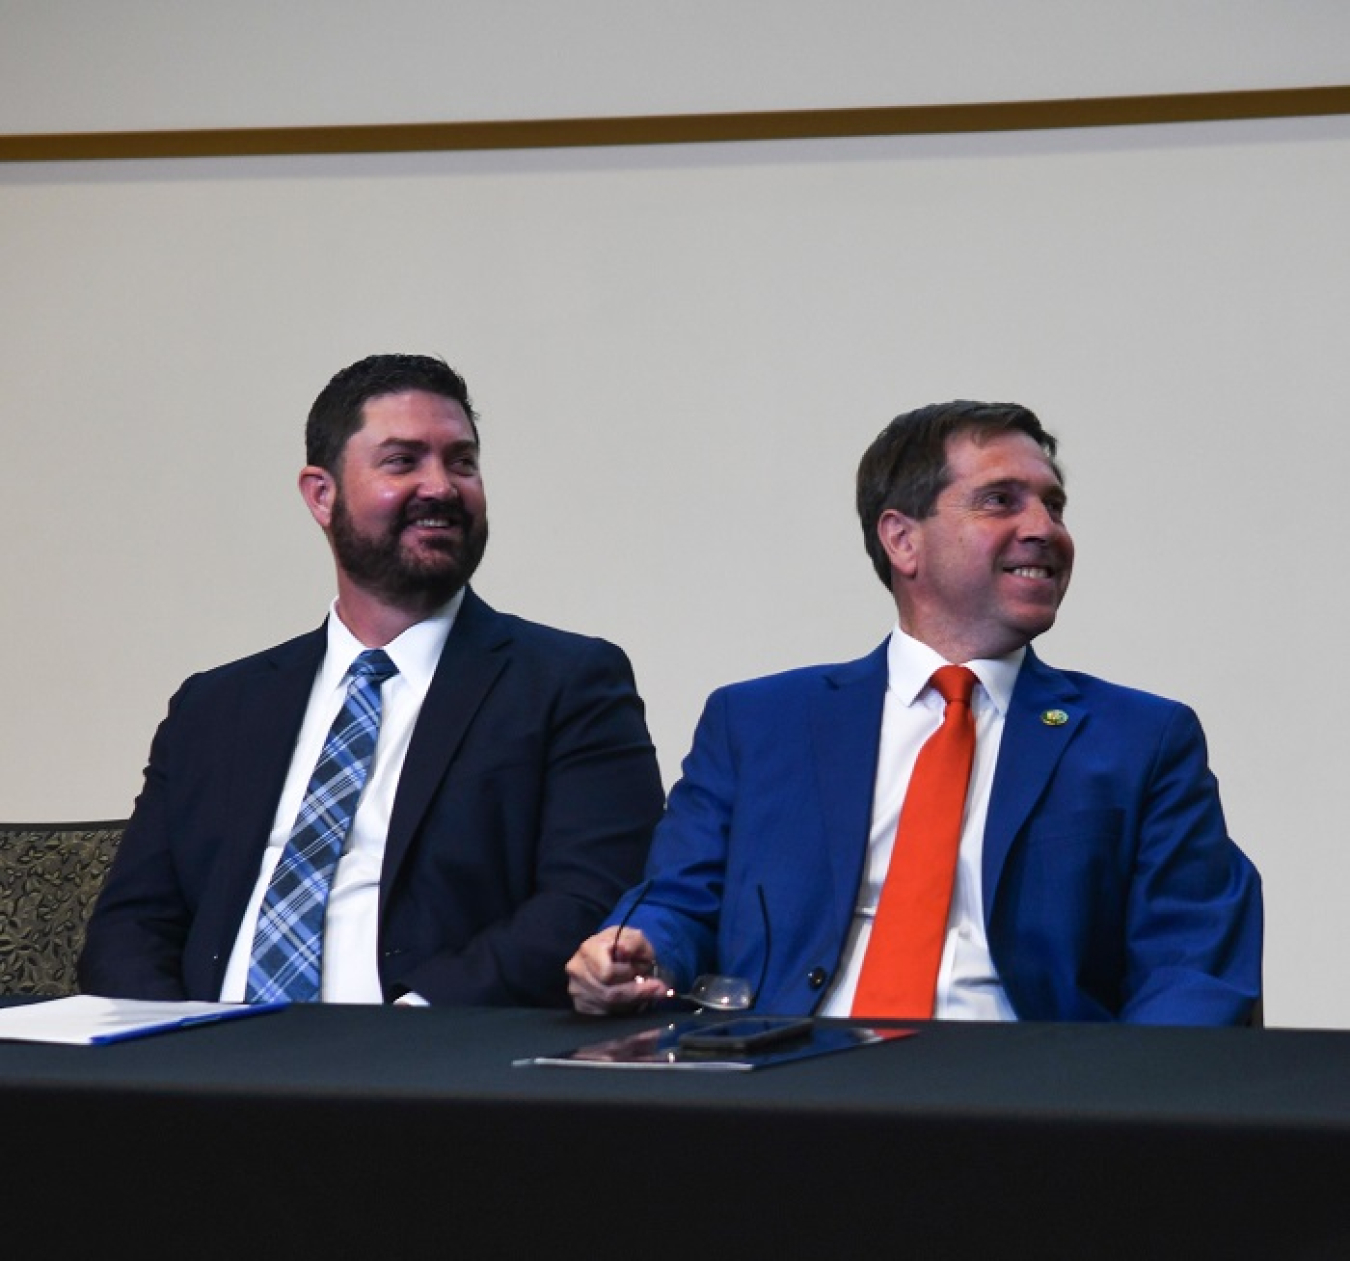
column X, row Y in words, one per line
column 1054, row 717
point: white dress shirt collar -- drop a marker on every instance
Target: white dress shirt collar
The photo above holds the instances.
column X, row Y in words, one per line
column 416, row 652
column 910, row 664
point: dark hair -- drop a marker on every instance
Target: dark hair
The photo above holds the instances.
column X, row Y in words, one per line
column 337, row 412
column 906, row 469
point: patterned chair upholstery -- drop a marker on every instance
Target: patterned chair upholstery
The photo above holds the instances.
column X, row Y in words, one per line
column 50, row 874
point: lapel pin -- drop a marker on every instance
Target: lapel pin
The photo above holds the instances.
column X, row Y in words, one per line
column 1054, row 717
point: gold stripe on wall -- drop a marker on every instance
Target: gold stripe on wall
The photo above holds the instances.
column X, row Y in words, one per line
column 556, row 133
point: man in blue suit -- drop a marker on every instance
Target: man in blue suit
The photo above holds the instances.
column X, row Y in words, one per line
column 512, row 789
column 1094, row 878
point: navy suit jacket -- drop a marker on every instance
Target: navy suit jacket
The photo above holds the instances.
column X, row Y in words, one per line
column 524, row 808
column 1111, row 889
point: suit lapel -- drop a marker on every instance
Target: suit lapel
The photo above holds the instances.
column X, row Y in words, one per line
column 471, row 662
column 1044, row 715
column 272, row 706
column 845, row 735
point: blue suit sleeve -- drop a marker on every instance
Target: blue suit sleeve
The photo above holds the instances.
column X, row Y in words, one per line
column 1194, row 915
column 681, row 897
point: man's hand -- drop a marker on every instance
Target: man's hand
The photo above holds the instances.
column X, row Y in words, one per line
column 612, row 973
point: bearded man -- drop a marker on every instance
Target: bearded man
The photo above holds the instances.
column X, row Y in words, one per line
column 422, row 801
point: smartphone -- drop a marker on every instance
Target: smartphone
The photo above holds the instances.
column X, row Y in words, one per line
column 745, row 1035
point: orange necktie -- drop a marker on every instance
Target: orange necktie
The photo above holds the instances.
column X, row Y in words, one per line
column 899, row 973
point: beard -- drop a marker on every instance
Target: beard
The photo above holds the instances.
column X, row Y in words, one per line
column 381, row 565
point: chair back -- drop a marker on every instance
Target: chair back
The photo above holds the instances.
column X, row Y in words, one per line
column 50, row 875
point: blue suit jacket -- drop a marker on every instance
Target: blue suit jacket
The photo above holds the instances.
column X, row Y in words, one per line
column 1111, row 888
column 524, row 808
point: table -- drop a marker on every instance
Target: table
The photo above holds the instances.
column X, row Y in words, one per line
column 390, row 1132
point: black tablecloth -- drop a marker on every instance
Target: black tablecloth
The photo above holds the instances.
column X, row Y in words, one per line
column 361, row 1131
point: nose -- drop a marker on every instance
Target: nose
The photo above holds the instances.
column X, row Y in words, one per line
column 1039, row 523
column 436, row 482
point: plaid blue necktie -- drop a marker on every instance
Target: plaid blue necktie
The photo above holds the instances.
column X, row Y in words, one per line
column 288, row 944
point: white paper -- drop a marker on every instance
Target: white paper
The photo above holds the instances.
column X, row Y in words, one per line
column 86, row 1020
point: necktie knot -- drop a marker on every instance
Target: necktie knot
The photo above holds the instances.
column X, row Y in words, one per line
column 954, row 683
column 374, row 664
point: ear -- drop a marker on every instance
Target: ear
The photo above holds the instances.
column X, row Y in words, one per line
column 318, row 489
column 898, row 535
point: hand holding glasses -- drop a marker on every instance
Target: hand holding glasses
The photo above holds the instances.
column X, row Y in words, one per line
column 710, row 991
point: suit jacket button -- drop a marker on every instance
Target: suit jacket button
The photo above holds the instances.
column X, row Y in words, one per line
column 816, row 978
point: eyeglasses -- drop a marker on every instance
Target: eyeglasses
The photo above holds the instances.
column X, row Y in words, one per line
column 710, row 991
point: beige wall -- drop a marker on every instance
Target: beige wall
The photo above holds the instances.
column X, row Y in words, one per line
column 81, row 65
column 679, row 354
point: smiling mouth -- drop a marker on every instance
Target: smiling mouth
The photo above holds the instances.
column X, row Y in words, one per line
column 1031, row 571
column 448, row 518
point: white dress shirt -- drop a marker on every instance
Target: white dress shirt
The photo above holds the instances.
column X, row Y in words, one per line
column 968, row 986
column 350, row 968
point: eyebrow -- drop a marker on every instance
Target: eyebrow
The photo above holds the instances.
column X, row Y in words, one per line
column 1055, row 490
column 420, row 444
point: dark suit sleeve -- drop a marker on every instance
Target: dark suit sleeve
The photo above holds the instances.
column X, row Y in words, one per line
column 545, row 817
column 134, row 944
